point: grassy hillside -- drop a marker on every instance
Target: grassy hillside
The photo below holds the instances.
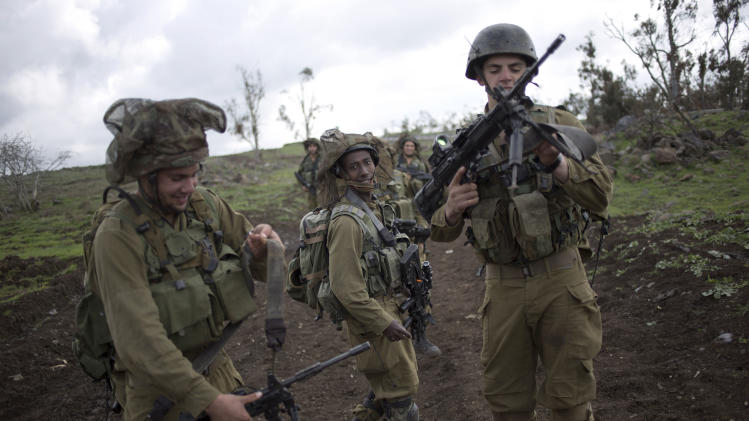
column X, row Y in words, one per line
column 674, row 195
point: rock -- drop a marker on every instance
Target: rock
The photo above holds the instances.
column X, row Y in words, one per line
column 708, row 170
column 724, row 338
column 719, row 155
column 241, row 179
column 665, row 155
column 732, row 137
column 686, row 177
column 633, row 178
column 706, row 134
column 624, row 123
column 646, row 158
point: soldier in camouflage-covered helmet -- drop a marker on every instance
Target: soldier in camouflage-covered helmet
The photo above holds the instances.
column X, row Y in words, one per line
column 359, row 255
column 166, row 262
column 538, row 304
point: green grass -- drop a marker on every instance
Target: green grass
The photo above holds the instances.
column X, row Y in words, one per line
column 700, row 185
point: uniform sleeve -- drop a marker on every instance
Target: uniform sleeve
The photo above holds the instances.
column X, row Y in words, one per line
column 346, row 279
column 591, row 188
column 139, row 337
column 236, row 227
column 441, row 230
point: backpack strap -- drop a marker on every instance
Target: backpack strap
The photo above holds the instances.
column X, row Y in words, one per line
column 385, row 234
column 145, row 226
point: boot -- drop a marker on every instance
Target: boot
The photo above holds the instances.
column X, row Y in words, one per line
column 422, row 346
column 401, row 410
column 369, row 410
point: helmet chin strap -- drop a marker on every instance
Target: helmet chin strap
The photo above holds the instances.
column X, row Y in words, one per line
column 154, row 200
column 360, row 187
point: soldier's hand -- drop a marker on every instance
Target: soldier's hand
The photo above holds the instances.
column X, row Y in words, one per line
column 395, row 331
column 305, row 188
column 459, row 197
column 228, row 407
column 257, row 238
column 547, row 154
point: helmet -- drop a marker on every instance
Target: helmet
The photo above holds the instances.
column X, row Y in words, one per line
column 502, row 38
column 310, row 141
column 336, row 145
column 151, row 135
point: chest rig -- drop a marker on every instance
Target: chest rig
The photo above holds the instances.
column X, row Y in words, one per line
column 196, row 280
column 532, row 222
column 308, row 168
column 380, row 262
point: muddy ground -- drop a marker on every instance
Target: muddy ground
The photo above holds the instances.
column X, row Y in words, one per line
column 669, row 352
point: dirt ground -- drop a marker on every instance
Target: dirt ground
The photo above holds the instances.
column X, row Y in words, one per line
column 669, row 352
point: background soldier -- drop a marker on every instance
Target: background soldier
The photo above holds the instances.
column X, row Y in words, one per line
column 361, row 280
column 409, row 161
column 538, row 302
column 307, row 173
column 167, row 262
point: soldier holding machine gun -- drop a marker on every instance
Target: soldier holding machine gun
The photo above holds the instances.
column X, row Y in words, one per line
column 527, row 176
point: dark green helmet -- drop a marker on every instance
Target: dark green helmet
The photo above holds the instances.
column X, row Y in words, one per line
column 502, row 38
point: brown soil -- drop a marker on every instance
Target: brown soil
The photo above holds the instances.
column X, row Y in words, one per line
column 662, row 356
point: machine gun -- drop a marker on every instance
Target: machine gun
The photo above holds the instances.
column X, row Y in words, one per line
column 416, row 278
column 511, row 116
column 277, row 398
column 311, row 187
column 412, row 229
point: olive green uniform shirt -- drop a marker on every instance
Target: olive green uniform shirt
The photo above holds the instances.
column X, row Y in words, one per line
column 143, row 350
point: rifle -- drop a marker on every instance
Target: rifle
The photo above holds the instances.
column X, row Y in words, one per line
column 412, row 229
column 277, row 393
column 417, row 280
column 414, row 173
column 311, row 187
column 471, row 143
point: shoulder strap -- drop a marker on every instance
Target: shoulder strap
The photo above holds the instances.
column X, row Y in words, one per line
column 357, row 201
column 145, row 226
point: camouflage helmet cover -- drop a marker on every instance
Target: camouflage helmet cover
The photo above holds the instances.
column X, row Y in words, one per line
column 336, row 144
column 501, row 38
column 151, row 135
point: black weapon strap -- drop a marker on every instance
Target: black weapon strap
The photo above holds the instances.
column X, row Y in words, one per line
column 357, row 201
column 162, row 405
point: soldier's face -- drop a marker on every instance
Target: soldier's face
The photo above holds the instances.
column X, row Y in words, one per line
column 358, row 166
column 312, row 149
column 408, row 148
column 176, row 185
column 502, row 70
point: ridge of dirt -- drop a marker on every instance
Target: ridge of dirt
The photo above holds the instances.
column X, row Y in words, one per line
column 662, row 358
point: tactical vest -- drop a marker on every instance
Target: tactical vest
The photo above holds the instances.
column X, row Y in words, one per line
column 196, row 280
column 308, row 169
column 380, row 263
column 531, row 223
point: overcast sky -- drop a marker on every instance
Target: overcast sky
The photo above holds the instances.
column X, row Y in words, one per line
column 65, row 61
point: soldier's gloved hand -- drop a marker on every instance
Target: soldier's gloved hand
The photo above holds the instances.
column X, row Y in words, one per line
column 395, row 332
column 275, row 333
column 257, row 238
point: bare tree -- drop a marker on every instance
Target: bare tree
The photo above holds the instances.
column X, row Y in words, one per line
column 308, row 106
column 730, row 70
column 246, row 123
column 21, row 164
column 662, row 51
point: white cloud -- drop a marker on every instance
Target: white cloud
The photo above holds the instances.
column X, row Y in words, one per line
column 375, row 62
